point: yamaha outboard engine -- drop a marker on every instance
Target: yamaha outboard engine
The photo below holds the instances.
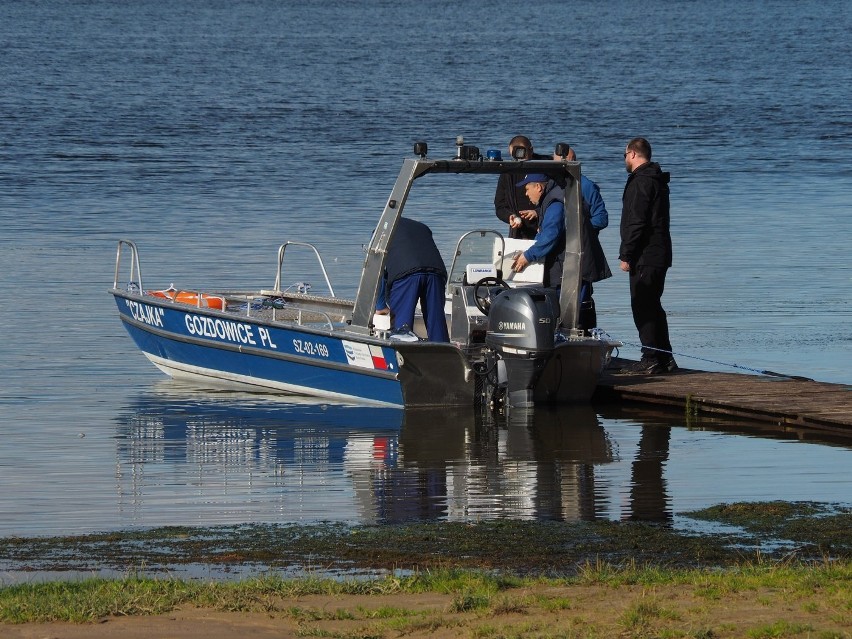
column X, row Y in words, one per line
column 521, row 332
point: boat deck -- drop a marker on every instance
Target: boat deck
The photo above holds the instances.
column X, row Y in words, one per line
column 292, row 314
column 275, row 306
column 785, row 403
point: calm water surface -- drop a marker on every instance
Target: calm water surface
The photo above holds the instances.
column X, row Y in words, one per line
column 211, row 132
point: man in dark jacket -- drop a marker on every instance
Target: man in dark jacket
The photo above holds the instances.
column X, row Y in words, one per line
column 415, row 271
column 646, row 253
column 510, row 201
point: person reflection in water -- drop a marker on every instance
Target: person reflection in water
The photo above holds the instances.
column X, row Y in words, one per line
column 648, row 488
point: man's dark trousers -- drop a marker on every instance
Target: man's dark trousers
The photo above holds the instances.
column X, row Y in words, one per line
column 646, row 290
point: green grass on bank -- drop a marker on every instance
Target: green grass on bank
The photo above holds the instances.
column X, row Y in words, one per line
column 91, row 599
column 775, row 569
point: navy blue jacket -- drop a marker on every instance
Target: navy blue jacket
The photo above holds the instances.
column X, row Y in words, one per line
column 412, row 250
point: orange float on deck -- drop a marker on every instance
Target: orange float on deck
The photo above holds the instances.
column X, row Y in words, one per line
column 189, row 297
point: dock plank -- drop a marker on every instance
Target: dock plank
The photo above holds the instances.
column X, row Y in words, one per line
column 780, row 401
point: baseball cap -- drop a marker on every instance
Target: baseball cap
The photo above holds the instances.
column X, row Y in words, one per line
column 533, row 177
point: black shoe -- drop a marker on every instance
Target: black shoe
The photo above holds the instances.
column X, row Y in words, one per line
column 670, row 365
column 645, row 366
column 651, row 366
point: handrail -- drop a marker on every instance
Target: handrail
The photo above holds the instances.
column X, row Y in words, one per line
column 203, row 297
column 134, row 265
column 283, row 248
column 307, row 310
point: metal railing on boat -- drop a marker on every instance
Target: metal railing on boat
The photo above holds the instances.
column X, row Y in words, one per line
column 135, row 270
column 135, row 285
column 201, row 300
column 281, row 251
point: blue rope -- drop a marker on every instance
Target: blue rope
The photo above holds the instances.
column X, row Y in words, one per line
column 713, row 361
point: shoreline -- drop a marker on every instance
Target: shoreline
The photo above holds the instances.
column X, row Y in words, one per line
column 779, row 569
column 722, row 535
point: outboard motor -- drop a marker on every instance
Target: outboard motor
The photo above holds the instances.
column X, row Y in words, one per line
column 521, row 332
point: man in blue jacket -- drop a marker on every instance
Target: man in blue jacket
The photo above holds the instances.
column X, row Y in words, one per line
column 547, row 196
column 646, row 254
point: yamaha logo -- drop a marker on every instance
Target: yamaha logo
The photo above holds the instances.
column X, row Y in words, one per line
column 511, row 326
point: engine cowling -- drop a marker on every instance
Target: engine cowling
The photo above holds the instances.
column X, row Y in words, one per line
column 523, row 321
column 521, row 334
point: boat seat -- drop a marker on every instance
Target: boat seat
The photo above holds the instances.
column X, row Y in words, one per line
column 532, row 275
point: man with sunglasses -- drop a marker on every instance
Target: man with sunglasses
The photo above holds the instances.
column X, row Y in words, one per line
column 646, row 254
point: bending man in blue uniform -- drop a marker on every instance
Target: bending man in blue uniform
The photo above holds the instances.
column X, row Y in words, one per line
column 549, row 245
column 415, row 271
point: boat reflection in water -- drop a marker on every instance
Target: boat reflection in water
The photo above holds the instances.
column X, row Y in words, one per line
column 190, row 457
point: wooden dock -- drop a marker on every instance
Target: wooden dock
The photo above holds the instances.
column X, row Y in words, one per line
column 782, row 402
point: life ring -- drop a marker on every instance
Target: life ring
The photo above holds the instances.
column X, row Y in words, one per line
column 188, row 297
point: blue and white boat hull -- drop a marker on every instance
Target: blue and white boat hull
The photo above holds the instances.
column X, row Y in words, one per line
column 195, row 343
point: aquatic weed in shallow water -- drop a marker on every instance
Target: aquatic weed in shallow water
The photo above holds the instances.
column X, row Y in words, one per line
column 520, row 547
column 818, row 529
column 509, row 547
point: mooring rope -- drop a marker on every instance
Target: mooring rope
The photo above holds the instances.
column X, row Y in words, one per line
column 713, row 361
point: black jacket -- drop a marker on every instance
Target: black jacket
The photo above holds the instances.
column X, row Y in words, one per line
column 645, row 218
column 593, row 264
column 509, row 199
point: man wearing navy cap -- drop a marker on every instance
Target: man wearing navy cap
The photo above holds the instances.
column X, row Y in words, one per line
column 549, row 246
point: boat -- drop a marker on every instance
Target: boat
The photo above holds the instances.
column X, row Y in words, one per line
column 513, row 342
